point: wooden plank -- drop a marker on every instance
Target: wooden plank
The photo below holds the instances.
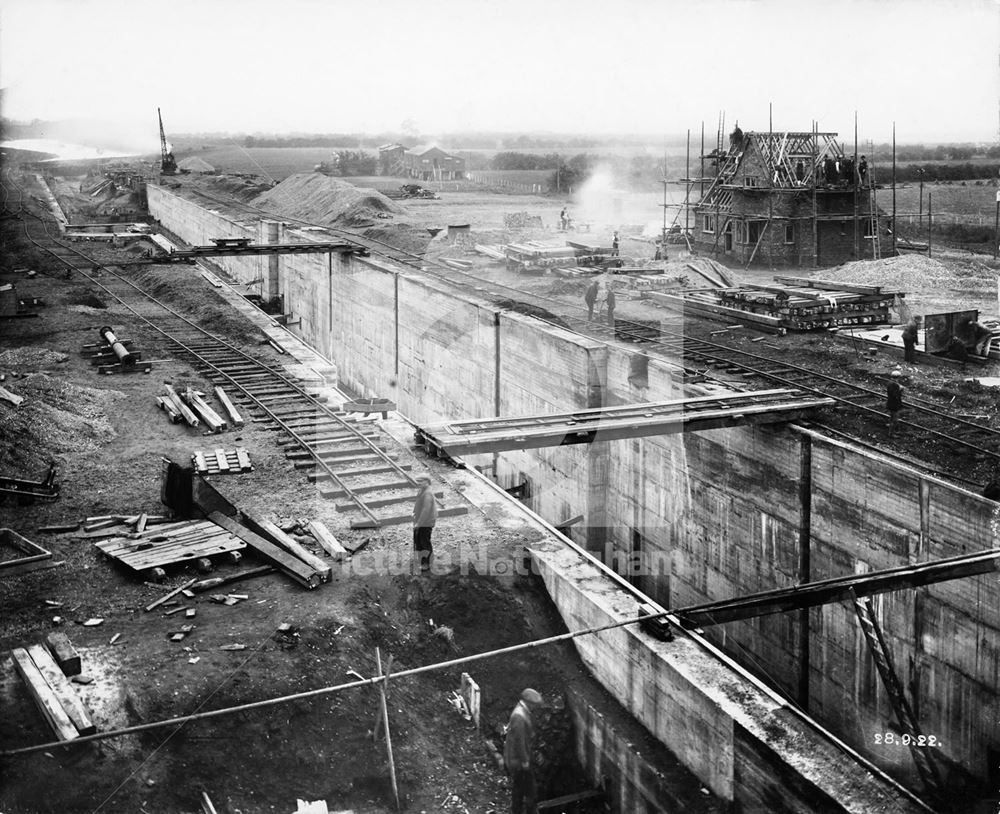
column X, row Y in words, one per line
column 181, row 407
column 288, row 564
column 269, row 530
column 156, row 603
column 234, row 415
column 243, row 459
column 63, row 690
column 43, row 696
column 221, row 460
column 63, row 652
column 200, row 464
column 326, row 539
column 808, row 282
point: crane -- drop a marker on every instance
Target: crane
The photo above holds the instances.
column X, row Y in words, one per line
column 168, row 165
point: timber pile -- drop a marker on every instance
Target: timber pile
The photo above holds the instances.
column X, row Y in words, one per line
column 54, row 695
column 536, row 256
column 797, row 303
column 222, row 461
column 189, row 541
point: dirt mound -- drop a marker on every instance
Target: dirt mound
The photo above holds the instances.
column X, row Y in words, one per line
column 321, row 199
column 243, row 189
column 401, row 236
column 55, row 417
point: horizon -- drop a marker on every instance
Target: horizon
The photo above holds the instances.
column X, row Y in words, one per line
column 566, row 66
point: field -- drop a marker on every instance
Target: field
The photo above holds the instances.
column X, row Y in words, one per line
column 270, row 162
column 955, row 202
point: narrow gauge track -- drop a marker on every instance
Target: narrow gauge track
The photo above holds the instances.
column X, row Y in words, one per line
column 696, row 356
column 347, row 459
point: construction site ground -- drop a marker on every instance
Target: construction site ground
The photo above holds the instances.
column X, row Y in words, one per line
column 108, row 438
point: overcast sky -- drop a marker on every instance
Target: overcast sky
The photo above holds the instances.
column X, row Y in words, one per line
column 579, row 66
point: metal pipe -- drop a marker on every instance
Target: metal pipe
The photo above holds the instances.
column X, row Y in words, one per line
column 126, row 358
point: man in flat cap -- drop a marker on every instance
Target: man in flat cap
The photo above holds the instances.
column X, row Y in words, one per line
column 517, row 751
column 424, row 518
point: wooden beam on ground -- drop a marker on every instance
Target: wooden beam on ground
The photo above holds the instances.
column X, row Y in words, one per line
column 838, row 589
column 43, row 696
column 234, row 415
column 181, row 407
column 759, row 321
column 156, row 603
column 288, row 564
column 808, row 282
column 63, row 652
column 267, row 529
column 327, row 541
column 62, row 689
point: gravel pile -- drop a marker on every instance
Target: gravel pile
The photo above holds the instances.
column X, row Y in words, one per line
column 30, row 358
column 55, row 417
column 907, row 273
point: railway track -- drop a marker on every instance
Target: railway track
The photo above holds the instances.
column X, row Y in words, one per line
column 348, row 459
column 699, row 357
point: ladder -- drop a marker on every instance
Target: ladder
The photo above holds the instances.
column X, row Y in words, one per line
column 922, row 755
column 873, row 200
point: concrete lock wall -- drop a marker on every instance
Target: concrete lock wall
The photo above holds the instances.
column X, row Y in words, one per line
column 711, row 515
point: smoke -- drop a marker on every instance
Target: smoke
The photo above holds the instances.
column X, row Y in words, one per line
column 599, row 202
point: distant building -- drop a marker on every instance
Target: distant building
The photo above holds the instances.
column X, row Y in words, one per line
column 433, row 164
column 787, row 199
column 390, row 160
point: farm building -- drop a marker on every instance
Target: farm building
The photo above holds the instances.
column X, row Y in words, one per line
column 788, row 199
column 433, row 163
column 390, row 159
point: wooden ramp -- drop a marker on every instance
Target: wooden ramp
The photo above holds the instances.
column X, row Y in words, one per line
column 456, row 438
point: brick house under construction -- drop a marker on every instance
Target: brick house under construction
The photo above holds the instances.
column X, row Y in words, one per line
column 790, row 199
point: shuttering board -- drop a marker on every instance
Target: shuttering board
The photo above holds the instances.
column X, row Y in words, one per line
column 63, row 689
column 168, row 545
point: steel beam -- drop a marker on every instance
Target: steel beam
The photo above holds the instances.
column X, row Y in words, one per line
column 838, row 589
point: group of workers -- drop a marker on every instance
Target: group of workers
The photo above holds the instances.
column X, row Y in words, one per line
column 956, row 348
column 590, row 297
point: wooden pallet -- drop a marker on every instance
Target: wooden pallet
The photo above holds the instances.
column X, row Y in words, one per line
column 171, row 544
column 222, row 462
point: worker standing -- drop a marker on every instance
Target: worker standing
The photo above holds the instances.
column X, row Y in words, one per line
column 517, row 753
column 863, row 171
column 591, row 298
column 563, row 219
column 910, row 342
column 614, row 245
column 610, row 302
column 893, row 403
column 424, row 518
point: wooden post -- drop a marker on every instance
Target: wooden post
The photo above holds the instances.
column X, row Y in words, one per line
column 805, row 535
column 996, row 229
column 385, row 721
column 930, row 222
column 894, row 189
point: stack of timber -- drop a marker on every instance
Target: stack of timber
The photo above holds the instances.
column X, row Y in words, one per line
column 535, row 256
column 52, row 691
column 793, row 303
column 188, row 541
column 222, row 461
column 110, row 525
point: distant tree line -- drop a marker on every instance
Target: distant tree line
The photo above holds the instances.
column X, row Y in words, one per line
column 966, row 171
column 350, row 162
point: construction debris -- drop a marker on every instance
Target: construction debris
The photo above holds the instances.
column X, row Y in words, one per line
column 28, row 555
column 13, row 398
column 64, row 653
column 288, row 564
column 28, row 491
column 234, row 416
column 171, row 544
column 201, row 408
